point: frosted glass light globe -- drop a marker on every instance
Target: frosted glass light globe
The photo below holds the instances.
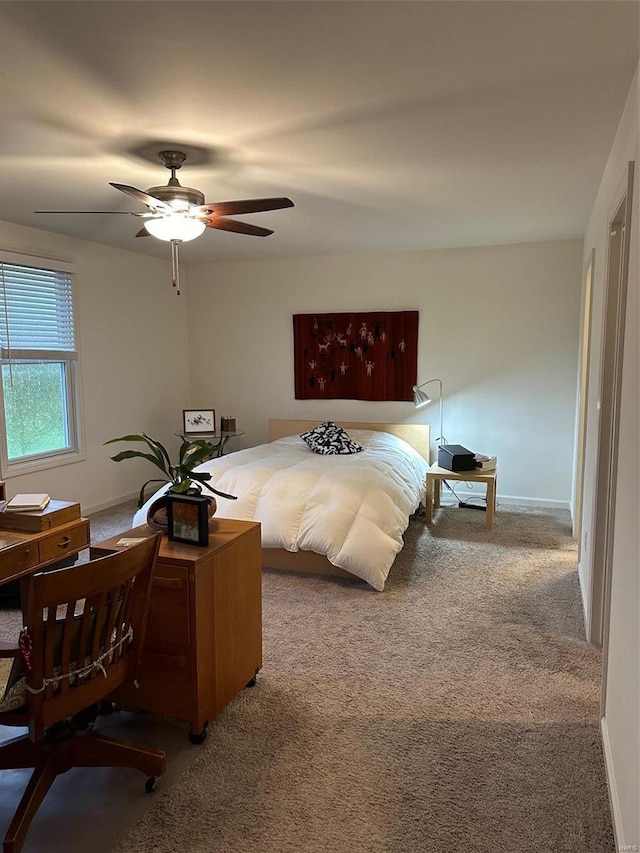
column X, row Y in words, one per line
column 175, row 227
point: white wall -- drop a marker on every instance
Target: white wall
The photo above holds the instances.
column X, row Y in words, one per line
column 133, row 361
column 499, row 325
column 621, row 723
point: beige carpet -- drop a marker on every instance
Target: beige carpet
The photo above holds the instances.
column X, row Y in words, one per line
column 456, row 711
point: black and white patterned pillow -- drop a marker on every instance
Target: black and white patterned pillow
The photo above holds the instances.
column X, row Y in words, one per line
column 328, row 439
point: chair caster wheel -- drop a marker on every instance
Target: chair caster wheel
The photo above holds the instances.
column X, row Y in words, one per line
column 150, row 784
column 198, row 737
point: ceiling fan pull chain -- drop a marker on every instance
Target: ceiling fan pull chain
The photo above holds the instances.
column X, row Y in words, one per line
column 175, row 265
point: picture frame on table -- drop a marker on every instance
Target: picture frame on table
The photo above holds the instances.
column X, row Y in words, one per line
column 196, row 421
column 188, row 519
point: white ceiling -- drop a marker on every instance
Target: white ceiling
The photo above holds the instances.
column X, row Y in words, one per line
column 392, row 125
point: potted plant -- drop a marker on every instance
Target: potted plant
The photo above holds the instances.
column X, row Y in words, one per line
column 181, row 476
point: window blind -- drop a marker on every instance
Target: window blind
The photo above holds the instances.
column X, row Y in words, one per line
column 36, row 314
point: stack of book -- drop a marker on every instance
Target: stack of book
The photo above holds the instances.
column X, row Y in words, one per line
column 21, row 515
column 26, row 503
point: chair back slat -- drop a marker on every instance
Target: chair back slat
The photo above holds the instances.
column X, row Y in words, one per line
column 122, row 615
column 127, row 607
column 98, row 645
column 85, row 637
column 113, row 625
column 86, row 623
column 50, row 648
column 67, row 628
column 127, row 617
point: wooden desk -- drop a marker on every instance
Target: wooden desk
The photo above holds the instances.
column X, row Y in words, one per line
column 31, row 552
column 203, row 642
column 436, row 475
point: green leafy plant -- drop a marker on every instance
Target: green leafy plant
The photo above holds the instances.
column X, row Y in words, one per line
column 181, row 476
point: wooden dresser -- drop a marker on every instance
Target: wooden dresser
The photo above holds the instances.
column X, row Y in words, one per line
column 203, row 643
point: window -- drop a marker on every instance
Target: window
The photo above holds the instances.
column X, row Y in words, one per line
column 38, row 366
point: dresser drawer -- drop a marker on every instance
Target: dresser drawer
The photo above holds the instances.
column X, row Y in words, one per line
column 165, row 687
column 168, row 619
column 65, row 541
column 15, row 560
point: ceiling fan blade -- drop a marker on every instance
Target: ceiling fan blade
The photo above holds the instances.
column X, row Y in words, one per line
column 233, row 225
column 145, row 198
column 249, row 205
column 127, row 212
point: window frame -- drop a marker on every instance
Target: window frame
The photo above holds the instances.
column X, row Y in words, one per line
column 71, row 365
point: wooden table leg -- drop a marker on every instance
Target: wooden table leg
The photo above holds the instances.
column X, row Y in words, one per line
column 437, row 491
column 491, row 503
column 428, row 501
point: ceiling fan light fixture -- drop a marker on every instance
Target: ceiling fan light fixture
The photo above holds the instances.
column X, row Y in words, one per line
column 180, row 205
column 175, row 194
column 175, row 227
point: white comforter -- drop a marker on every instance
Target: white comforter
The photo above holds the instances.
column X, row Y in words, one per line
column 353, row 509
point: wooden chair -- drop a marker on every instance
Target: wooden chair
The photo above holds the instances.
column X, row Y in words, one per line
column 84, row 628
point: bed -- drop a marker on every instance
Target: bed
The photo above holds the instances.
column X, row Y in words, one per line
column 337, row 515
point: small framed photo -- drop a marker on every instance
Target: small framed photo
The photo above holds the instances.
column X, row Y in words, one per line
column 188, row 517
column 198, row 420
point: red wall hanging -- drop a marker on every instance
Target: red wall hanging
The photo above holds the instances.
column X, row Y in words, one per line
column 372, row 356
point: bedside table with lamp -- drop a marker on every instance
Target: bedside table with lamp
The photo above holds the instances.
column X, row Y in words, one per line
column 438, row 473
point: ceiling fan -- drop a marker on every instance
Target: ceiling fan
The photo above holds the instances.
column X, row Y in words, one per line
column 177, row 214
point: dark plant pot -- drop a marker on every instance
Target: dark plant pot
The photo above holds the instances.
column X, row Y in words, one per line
column 158, row 518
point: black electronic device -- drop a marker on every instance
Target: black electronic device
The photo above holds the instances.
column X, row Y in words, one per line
column 455, row 457
column 468, row 505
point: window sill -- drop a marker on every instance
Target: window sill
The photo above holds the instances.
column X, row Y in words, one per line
column 17, row 469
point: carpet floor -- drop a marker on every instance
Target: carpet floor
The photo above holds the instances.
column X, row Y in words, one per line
column 457, row 710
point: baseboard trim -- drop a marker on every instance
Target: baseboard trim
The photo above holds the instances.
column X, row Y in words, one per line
column 548, row 503
column 612, row 789
column 91, row 510
column 586, row 610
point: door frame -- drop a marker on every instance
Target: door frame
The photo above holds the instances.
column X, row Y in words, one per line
column 610, row 386
column 583, row 398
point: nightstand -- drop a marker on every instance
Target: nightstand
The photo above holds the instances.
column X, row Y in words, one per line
column 435, row 476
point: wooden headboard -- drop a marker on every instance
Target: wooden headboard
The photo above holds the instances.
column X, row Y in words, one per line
column 417, row 435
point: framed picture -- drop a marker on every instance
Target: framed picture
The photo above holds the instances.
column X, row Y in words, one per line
column 188, row 517
column 198, row 420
